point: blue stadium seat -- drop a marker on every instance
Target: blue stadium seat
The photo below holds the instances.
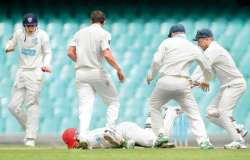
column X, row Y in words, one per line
column 54, row 27
column 50, row 125
column 12, row 126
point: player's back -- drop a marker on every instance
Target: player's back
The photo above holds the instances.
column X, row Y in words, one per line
column 178, row 54
column 223, row 64
column 89, row 47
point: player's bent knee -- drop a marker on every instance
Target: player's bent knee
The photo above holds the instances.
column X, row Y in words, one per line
column 13, row 108
column 32, row 101
column 154, row 104
column 213, row 113
column 115, row 103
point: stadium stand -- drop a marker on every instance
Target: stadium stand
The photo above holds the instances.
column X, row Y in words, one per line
column 135, row 38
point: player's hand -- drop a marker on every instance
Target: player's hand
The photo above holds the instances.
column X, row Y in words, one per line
column 120, row 75
column 46, row 69
column 204, row 86
column 194, row 83
column 9, row 50
column 149, row 79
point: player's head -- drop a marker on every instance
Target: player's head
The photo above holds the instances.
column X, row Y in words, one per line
column 97, row 16
column 204, row 37
column 176, row 29
column 30, row 23
column 70, row 138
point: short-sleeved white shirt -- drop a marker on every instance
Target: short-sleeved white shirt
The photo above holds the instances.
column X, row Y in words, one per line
column 33, row 48
column 90, row 42
column 175, row 55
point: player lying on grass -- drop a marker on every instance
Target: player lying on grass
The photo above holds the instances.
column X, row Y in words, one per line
column 127, row 135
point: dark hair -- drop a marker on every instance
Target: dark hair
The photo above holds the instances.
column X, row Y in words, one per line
column 97, row 16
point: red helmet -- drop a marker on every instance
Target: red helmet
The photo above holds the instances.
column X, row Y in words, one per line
column 70, row 137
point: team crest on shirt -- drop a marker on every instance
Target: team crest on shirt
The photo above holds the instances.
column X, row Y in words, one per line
column 30, row 19
column 35, row 41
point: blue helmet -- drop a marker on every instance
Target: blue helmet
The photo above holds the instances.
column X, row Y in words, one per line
column 30, row 19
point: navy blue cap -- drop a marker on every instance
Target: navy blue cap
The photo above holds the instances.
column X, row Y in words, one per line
column 29, row 19
column 203, row 33
column 176, row 28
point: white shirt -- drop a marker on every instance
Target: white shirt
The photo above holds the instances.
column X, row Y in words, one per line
column 175, row 56
column 90, row 42
column 35, row 51
column 96, row 139
column 223, row 66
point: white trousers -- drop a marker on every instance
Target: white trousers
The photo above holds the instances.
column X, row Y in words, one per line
column 220, row 111
column 27, row 87
column 88, row 84
column 170, row 116
column 178, row 89
column 141, row 137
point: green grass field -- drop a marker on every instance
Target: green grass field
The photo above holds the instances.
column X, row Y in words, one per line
column 49, row 153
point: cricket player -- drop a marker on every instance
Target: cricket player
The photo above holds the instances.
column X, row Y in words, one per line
column 126, row 135
column 35, row 56
column 170, row 115
column 123, row 137
column 232, row 86
column 94, row 139
column 172, row 61
column 88, row 49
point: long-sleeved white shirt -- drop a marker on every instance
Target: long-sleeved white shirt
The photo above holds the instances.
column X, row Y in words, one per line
column 175, row 56
column 35, row 50
column 223, row 66
column 90, row 42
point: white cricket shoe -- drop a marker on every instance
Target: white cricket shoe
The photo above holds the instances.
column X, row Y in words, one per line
column 29, row 142
column 113, row 137
column 236, row 145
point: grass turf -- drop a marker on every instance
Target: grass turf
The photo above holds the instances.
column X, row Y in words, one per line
column 59, row 153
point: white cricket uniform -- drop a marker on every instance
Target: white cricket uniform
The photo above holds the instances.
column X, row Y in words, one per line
column 143, row 137
column 172, row 61
column 232, row 87
column 127, row 130
column 170, row 116
column 95, row 139
column 35, row 52
column 90, row 42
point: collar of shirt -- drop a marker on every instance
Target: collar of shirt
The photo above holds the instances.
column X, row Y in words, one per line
column 212, row 43
column 96, row 25
column 35, row 33
column 181, row 35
